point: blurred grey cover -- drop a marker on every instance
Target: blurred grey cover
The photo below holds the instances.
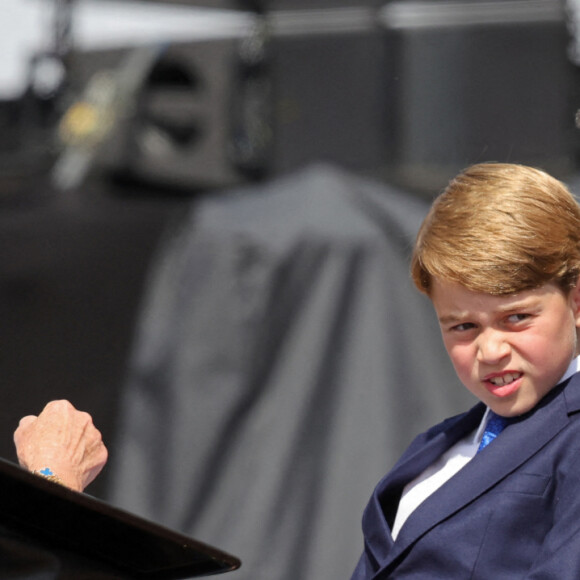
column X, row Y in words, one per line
column 282, row 363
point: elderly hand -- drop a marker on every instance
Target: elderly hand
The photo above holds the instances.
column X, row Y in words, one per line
column 63, row 440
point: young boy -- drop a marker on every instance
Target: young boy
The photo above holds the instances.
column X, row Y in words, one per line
column 499, row 257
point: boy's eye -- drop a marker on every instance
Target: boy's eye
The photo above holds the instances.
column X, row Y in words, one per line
column 463, row 326
column 512, row 318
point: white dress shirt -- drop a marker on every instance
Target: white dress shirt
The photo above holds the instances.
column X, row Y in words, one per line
column 456, row 457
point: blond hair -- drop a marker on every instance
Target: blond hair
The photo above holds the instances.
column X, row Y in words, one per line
column 500, row 228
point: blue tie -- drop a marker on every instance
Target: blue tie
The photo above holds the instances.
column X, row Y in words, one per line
column 495, row 425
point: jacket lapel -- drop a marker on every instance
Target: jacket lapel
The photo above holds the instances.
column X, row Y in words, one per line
column 379, row 514
column 517, row 443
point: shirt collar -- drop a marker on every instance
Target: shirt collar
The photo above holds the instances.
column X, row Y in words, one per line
column 573, row 368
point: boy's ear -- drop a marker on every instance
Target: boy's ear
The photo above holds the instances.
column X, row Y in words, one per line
column 575, row 301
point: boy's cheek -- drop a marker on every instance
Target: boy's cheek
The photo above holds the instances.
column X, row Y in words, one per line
column 465, row 373
column 462, row 359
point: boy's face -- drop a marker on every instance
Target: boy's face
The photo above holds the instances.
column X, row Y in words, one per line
column 509, row 351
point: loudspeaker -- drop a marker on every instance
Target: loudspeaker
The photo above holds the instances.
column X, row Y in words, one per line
column 477, row 81
column 198, row 118
column 329, row 91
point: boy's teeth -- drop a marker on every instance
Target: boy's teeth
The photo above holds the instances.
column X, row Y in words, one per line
column 504, row 379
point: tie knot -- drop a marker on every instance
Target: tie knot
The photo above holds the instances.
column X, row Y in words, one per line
column 495, row 425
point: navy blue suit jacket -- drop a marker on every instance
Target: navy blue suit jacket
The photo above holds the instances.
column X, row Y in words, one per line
column 513, row 512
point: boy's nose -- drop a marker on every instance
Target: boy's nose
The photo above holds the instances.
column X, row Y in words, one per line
column 492, row 346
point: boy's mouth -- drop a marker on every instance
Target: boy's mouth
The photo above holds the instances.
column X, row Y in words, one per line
column 504, row 379
column 504, row 384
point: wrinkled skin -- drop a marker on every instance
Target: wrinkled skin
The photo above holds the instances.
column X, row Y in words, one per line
column 64, row 440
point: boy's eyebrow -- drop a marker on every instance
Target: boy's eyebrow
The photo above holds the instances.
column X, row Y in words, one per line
column 523, row 304
column 450, row 318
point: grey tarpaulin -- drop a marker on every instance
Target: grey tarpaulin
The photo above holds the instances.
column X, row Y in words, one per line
column 282, row 362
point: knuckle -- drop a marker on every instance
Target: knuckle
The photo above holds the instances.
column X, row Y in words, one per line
column 60, row 405
column 26, row 421
column 85, row 419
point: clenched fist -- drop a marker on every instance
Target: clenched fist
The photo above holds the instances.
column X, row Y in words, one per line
column 63, row 440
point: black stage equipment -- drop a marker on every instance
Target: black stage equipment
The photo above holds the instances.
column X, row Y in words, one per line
column 194, row 115
column 329, row 83
column 475, row 81
column 410, row 91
